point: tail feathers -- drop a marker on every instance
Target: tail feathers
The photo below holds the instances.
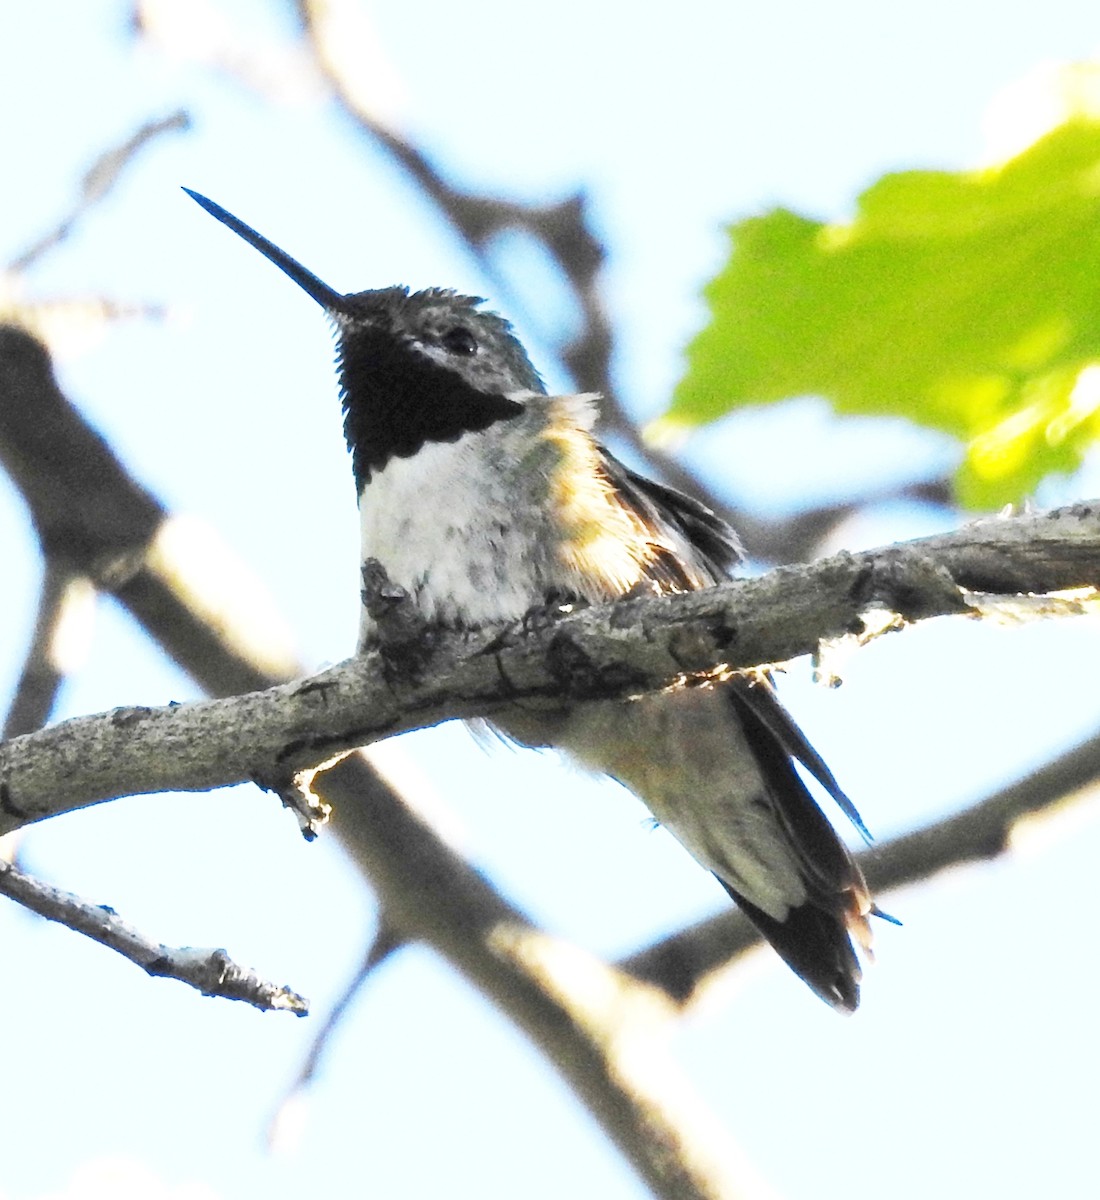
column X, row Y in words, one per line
column 759, row 696
column 815, row 937
column 816, row 945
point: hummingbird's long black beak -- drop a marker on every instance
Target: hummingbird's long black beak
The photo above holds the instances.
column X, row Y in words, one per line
column 329, row 299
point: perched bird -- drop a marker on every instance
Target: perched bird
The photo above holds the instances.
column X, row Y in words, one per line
column 486, row 500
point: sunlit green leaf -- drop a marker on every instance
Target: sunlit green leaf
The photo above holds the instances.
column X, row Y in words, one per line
column 966, row 302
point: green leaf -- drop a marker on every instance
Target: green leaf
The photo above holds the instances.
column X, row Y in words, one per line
column 967, row 302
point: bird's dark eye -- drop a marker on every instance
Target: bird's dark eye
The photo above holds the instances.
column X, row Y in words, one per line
column 459, row 341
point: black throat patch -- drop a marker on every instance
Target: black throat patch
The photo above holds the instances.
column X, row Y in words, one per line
column 396, row 400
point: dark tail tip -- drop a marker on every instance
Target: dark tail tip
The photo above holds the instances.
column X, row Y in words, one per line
column 816, row 945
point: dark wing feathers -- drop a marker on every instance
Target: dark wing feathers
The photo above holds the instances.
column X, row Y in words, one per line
column 761, row 698
column 814, row 939
column 715, row 542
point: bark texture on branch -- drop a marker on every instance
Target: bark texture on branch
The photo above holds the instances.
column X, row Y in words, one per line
column 613, row 650
column 211, row 972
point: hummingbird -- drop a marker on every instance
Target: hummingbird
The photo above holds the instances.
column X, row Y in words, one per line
column 488, row 500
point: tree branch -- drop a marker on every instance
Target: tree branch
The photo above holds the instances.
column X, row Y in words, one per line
column 384, row 944
column 98, row 182
column 562, row 228
column 212, row 972
column 92, row 517
column 60, row 636
column 606, row 1033
column 605, row 652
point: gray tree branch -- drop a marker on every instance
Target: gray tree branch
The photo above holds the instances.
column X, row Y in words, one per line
column 212, row 972
column 64, row 605
column 385, row 943
column 98, row 182
column 604, row 652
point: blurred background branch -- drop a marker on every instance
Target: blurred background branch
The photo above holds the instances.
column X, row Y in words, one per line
column 97, row 184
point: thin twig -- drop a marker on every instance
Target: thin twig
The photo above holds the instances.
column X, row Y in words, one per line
column 562, row 228
column 97, row 184
column 212, row 972
column 385, row 942
column 59, row 640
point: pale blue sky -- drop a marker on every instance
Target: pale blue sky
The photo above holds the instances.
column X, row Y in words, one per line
column 968, row 1069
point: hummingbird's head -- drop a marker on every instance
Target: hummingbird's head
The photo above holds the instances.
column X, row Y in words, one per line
column 447, row 330
column 415, row 367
